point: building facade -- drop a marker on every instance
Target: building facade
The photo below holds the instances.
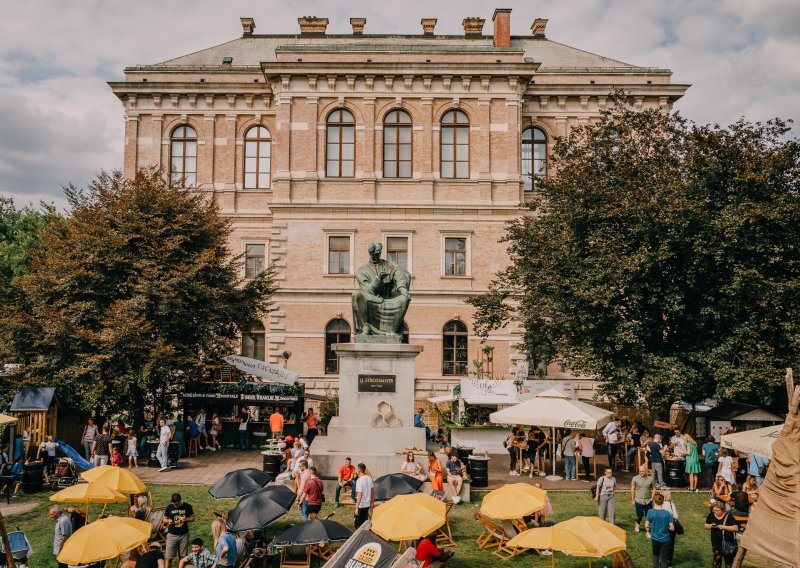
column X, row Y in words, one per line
column 317, row 144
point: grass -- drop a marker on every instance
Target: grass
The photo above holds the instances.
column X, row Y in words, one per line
column 693, row 549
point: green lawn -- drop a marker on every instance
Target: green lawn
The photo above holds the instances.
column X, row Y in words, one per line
column 692, row 550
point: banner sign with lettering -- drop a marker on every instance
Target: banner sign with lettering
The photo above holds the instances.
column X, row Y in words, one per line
column 530, row 389
column 262, row 369
column 376, row 383
column 486, row 390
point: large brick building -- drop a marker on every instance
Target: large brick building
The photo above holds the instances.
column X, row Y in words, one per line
column 317, row 144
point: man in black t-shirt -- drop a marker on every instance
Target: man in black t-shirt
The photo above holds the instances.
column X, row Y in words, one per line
column 654, row 450
column 177, row 516
column 101, row 450
column 154, row 558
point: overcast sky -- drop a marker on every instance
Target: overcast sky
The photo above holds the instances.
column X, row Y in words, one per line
column 60, row 123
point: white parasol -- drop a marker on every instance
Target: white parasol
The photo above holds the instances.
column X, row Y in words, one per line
column 758, row 442
column 556, row 410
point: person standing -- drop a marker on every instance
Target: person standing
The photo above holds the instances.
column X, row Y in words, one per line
column 90, row 432
column 757, row 468
column 178, row 515
column 692, row 462
column 132, row 451
column 609, row 429
column 226, row 549
column 723, row 527
column 365, row 496
column 164, row 436
column 313, row 494
column 612, row 441
column 311, row 426
column 568, row 451
column 216, row 428
column 244, row 423
column 655, row 452
column 347, row 477
column 276, row 421
column 62, row 532
column 303, row 477
column 146, row 429
column 643, row 489
column 201, row 421
column 660, row 525
column 604, row 496
column 669, row 505
column 725, row 466
column 586, row 450
column 102, row 447
column 711, row 458
column 179, row 435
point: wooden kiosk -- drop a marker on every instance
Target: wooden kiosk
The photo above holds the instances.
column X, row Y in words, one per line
column 36, row 410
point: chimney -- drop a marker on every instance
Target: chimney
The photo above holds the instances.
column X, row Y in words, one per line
column 473, row 27
column 502, row 27
column 538, row 26
column 427, row 25
column 358, row 25
column 311, row 25
column 248, row 25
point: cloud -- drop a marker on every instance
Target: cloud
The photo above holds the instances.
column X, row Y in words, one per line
column 60, row 123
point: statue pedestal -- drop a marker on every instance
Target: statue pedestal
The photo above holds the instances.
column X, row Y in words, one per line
column 376, row 409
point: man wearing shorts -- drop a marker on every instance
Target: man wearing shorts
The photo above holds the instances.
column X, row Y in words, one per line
column 178, row 515
column 455, row 475
column 313, row 494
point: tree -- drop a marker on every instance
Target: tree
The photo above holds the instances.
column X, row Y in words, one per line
column 663, row 258
column 19, row 234
column 128, row 296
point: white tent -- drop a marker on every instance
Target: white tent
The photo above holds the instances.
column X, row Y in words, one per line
column 758, row 442
column 556, row 410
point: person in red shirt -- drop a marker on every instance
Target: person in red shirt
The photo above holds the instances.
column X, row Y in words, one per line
column 431, row 555
column 347, row 476
column 311, row 425
column 313, row 494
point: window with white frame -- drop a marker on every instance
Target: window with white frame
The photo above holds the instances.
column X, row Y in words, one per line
column 456, row 255
column 534, row 156
column 454, row 145
column 257, row 153
column 255, row 257
column 340, row 148
column 183, row 156
column 339, row 254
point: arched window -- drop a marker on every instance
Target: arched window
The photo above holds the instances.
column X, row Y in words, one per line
column 340, row 152
column 337, row 331
column 397, row 145
column 455, row 145
column 454, row 348
column 405, row 336
column 534, row 156
column 183, row 156
column 254, row 343
column 257, row 151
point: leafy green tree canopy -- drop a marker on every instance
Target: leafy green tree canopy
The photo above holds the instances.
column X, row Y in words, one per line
column 127, row 297
column 663, row 258
column 19, row 233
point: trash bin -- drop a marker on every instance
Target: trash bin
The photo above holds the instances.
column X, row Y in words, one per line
column 33, row 477
column 479, row 471
column 676, row 473
column 272, row 464
column 152, row 452
column 174, row 454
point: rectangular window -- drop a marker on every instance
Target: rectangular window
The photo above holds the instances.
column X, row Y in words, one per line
column 397, row 251
column 455, row 256
column 254, row 260
column 338, row 255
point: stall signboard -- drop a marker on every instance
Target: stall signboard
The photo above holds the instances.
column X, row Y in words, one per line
column 530, row 389
column 376, row 383
column 212, row 395
column 250, row 397
column 262, row 369
column 489, row 391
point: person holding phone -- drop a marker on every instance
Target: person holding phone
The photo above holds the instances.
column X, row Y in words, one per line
column 723, row 527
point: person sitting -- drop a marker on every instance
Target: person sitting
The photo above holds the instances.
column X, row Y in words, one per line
column 721, row 490
column 412, row 468
column 130, row 561
column 199, row 557
column 346, row 478
column 751, row 487
column 440, row 438
column 153, row 558
column 141, row 509
column 740, row 501
column 430, row 555
column 418, row 423
column 455, row 475
column 15, row 473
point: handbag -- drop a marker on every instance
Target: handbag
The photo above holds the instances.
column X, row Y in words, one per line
column 679, row 530
column 728, row 548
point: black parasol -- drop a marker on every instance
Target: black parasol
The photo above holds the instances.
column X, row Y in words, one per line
column 313, row 532
column 260, row 508
column 238, row 483
column 394, row 484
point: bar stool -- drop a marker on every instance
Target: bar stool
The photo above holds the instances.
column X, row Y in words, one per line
column 194, row 446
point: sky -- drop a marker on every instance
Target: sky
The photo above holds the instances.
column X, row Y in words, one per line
column 60, row 123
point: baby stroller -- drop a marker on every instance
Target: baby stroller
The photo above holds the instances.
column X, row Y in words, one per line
column 20, row 549
column 65, row 475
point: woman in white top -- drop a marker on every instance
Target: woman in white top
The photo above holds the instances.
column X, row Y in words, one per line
column 412, row 468
column 670, row 506
column 725, row 468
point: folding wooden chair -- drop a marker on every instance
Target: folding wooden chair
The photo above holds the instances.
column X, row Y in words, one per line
column 157, row 530
column 323, row 552
column 503, row 550
column 296, row 557
column 492, row 535
column 444, row 536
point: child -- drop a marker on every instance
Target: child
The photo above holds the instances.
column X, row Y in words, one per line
column 116, row 458
column 132, row 452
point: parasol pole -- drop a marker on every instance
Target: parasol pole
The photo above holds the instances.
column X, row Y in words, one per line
column 553, row 477
column 552, row 558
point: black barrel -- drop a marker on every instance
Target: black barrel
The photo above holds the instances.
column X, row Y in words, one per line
column 479, row 471
column 676, row 472
column 463, row 453
column 174, row 454
column 33, row 477
column 152, row 452
column 272, row 464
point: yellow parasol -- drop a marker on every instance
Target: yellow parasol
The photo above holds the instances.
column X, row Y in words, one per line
column 408, row 517
column 85, row 493
column 116, row 478
column 513, row 501
column 603, row 536
column 554, row 539
column 104, row 539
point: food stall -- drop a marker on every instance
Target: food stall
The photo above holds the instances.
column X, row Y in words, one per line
column 474, row 399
